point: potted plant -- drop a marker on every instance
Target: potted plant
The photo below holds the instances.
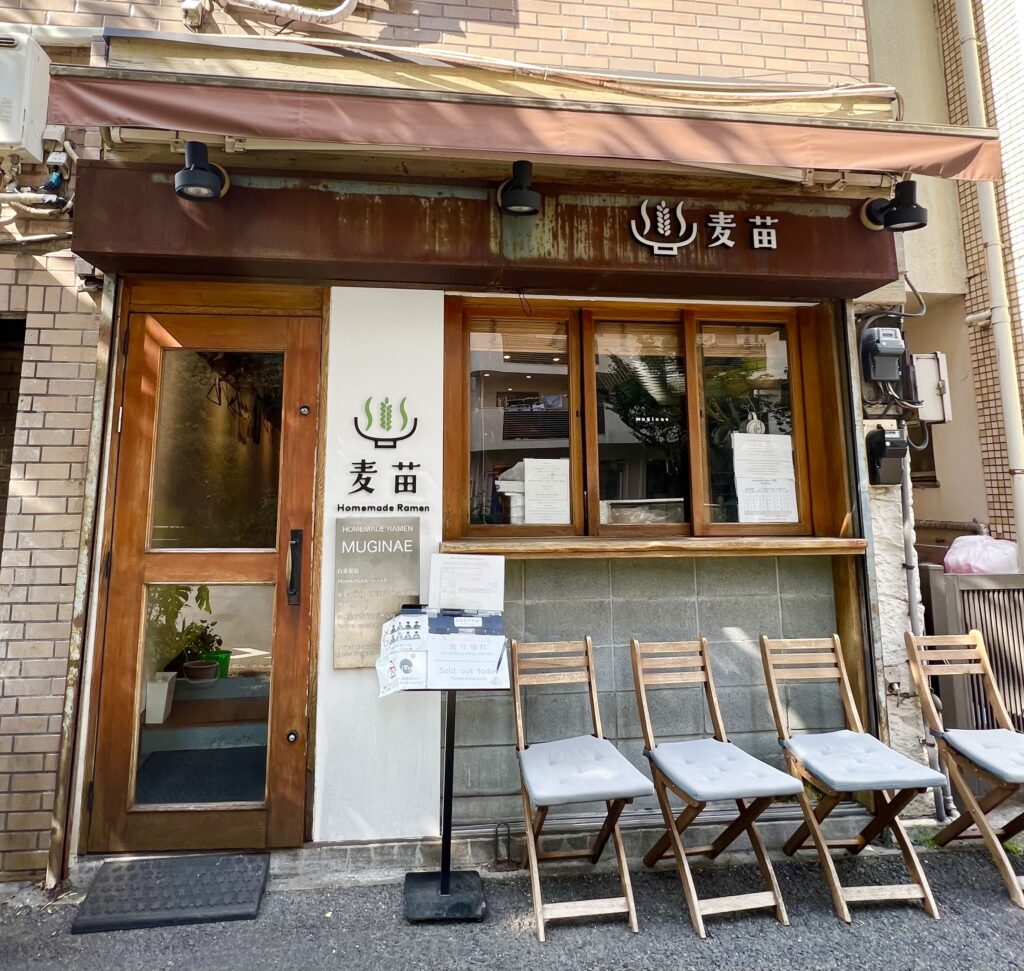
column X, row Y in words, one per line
column 200, row 651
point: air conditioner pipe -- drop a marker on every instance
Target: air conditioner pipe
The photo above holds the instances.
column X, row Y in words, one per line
column 999, row 300
column 31, row 199
column 295, row 11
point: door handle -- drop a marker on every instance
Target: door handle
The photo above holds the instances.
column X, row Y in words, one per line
column 294, row 567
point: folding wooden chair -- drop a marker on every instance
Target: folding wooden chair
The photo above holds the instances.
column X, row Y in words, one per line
column 702, row 771
column 587, row 768
column 994, row 756
column 839, row 764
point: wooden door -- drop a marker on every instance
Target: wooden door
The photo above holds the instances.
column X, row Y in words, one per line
column 211, row 540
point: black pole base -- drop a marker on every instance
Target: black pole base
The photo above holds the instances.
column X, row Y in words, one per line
column 464, row 901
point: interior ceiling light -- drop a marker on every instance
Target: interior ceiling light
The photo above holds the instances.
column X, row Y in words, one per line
column 898, row 214
column 200, row 180
column 517, row 196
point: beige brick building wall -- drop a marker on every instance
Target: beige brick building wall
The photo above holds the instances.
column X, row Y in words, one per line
column 999, row 36
column 800, row 40
column 811, row 41
column 41, row 540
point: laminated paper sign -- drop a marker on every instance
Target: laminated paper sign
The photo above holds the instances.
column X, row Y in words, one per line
column 438, row 652
column 765, row 480
column 377, row 570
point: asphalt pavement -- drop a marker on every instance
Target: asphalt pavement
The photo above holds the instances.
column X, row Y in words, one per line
column 361, row 927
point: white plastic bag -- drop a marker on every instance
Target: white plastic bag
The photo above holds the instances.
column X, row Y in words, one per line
column 981, row 554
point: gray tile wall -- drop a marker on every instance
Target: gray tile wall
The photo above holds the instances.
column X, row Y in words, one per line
column 730, row 601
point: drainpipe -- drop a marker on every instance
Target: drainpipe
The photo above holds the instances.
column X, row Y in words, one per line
column 1002, row 325
column 944, row 805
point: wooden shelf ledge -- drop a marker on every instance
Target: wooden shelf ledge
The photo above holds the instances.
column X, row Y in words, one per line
column 565, row 547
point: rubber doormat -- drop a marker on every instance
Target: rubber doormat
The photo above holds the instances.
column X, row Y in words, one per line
column 173, row 890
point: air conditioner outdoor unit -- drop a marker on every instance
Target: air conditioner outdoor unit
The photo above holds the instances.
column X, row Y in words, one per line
column 24, row 89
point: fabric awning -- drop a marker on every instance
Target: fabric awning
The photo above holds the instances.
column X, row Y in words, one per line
column 486, row 127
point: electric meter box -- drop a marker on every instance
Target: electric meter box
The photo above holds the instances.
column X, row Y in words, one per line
column 882, row 350
column 932, row 384
column 24, row 90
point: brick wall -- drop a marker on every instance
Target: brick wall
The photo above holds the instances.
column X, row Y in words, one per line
column 999, row 36
column 800, row 40
column 40, row 542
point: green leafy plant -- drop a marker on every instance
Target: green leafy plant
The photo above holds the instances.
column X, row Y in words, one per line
column 167, row 631
column 386, row 412
column 197, row 639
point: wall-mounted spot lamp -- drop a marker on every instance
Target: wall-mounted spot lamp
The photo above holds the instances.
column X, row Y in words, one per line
column 200, row 179
column 517, row 196
column 898, row 214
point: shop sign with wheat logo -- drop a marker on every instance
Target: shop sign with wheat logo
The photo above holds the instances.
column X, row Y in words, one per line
column 384, row 423
column 665, row 229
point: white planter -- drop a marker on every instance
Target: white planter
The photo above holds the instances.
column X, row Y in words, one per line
column 159, row 696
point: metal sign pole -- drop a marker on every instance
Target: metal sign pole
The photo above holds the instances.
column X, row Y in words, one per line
column 445, row 895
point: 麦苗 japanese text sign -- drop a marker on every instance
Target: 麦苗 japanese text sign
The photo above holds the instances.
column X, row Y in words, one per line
column 377, row 570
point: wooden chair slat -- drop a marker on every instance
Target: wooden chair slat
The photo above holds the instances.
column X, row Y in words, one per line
column 552, row 647
column 809, row 674
column 945, row 640
column 803, row 659
column 677, row 677
column 671, row 647
column 559, row 661
column 962, row 654
column 942, row 668
column 560, row 677
column 689, row 661
column 808, row 644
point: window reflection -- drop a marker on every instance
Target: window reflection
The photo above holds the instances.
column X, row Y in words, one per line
column 204, row 690
column 642, row 424
column 519, row 422
column 746, row 397
column 218, row 440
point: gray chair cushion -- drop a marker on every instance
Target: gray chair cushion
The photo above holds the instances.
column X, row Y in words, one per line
column 584, row 769
column 854, row 761
column 997, row 750
column 707, row 769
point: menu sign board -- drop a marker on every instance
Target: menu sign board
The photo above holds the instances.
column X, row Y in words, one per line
column 439, row 652
column 377, row 570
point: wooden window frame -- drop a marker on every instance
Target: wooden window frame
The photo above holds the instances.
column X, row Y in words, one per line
column 584, row 464
column 590, row 321
column 788, row 319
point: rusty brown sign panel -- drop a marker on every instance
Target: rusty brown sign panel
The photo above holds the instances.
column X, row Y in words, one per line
column 695, row 244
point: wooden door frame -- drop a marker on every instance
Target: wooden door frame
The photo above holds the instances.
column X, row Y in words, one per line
column 188, row 295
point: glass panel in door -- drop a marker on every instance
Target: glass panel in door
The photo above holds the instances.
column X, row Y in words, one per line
column 205, row 691
column 218, row 443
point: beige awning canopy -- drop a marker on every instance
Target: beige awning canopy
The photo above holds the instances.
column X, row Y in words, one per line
column 484, row 126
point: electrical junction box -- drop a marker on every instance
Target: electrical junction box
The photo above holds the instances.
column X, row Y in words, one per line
column 887, row 450
column 881, row 351
column 932, row 382
column 24, row 90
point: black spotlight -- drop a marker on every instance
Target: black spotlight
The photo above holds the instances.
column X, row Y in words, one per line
column 898, row 214
column 516, row 196
column 200, row 179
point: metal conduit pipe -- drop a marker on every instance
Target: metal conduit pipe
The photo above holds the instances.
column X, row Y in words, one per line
column 991, row 236
column 41, row 238
column 295, row 11
column 944, row 806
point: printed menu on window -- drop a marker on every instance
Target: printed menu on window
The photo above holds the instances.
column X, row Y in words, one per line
column 765, row 478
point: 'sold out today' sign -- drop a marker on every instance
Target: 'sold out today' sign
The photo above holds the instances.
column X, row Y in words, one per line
column 377, row 569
